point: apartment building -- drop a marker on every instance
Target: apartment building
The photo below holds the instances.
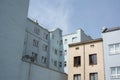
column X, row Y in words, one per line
column 111, row 44
column 26, row 52
column 77, row 36
column 86, row 60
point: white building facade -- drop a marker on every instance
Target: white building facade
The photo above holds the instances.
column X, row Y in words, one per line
column 111, row 44
column 78, row 36
column 26, row 52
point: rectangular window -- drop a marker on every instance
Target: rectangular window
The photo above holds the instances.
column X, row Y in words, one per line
column 44, row 59
column 93, row 76
column 56, row 51
column 60, row 64
column 92, row 59
column 55, row 63
column 115, row 72
column 60, row 52
column 36, row 30
column 61, row 42
column 77, row 61
column 114, row 48
column 35, row 42
column 77, row 77
column 45, row 47
column 45, row 36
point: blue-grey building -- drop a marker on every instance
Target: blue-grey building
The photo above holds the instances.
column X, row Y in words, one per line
column 111, row 45
column 25, row 51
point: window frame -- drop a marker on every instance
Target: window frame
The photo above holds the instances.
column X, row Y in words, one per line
column 93, row 74
column 116, row 75
column 93, row 59
column 77, row 61
column 114, row 51
column 76, row 76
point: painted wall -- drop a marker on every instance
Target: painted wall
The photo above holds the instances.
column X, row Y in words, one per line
column 110, row 60
column 85, row 69
column 13, row 24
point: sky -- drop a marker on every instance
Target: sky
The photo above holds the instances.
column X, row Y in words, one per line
column 70, row 15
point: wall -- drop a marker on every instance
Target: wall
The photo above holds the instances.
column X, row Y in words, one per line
column 110, row 60
column 85, row 69
column 13, row 23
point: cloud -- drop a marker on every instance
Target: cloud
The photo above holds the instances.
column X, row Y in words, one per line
column 51, row 14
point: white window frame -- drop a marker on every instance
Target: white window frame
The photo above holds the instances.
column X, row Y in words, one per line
column 116, row 75
column 114, row 51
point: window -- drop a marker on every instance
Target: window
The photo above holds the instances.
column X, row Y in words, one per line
column 35, row 42
column 56, row 51
column 44, row 60
column 115, row 72
column 55, row 63
column 60, row 64
column 65, row 51
column 92, row 59
column 77, row 48
column 65, row 41
column 45, row 47
column 77, row 77
column 92, row 46
column 114, row 48
column 45, row 36
column 34, row 57
column 65, row 64
column 36, row 30
column 60, row 53
column 60, row 42
column 93, row 76
column 74, row 39
column 77, row 61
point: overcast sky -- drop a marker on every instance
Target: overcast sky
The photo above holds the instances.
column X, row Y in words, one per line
column 69, row 15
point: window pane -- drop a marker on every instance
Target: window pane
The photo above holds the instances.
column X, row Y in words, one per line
column 111, row 47
column 118, row 70
column 95, row 59
column 96, row 76
column 113, row 71
column 117, row 47
column 79, row 77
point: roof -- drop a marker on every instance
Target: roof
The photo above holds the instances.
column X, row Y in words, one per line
column 86, row 42
column 110, row 29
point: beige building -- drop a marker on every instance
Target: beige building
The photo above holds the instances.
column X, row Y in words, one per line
column 86, row 60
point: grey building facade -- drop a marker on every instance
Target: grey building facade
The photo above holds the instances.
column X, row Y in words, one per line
column 111, row 45
column 25, row 46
